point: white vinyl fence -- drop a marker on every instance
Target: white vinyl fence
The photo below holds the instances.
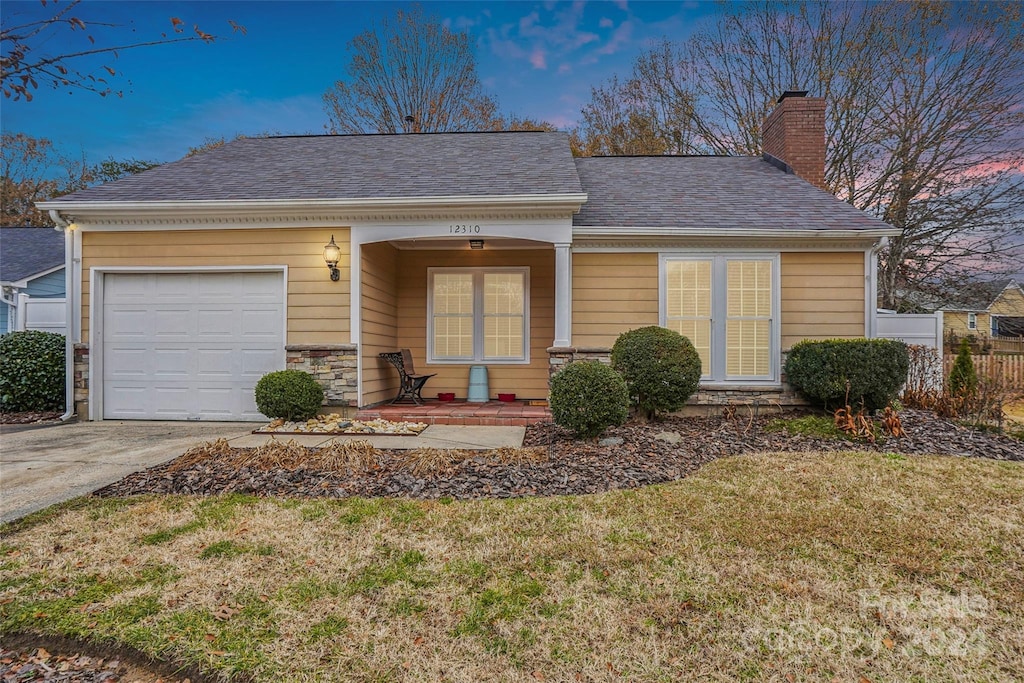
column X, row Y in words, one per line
column 918, row 329
column 45, row 315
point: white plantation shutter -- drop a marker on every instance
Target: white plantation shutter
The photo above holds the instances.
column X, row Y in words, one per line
column 688, row 304
column 503, row 315
column 726, row 305
column 479, row 314
column 453, row 315
column 748, row 318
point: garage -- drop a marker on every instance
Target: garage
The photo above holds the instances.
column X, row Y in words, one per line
column 188, row 345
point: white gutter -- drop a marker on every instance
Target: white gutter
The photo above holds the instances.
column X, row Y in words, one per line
column 372, row 203
column 871, row 306
column 645, row 232
column 69, row 324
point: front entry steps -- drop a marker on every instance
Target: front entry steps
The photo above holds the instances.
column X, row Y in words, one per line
column 494, row 413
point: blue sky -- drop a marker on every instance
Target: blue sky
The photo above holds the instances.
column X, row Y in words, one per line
column 539, row 59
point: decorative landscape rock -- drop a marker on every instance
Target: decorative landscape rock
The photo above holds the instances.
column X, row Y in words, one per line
column 336, row 424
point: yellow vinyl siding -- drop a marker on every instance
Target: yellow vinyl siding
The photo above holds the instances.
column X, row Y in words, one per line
column 1010, row 302
column 318, row 309
column 822, row 295
column 612, row 293
column 379, row 292
column 525, row 380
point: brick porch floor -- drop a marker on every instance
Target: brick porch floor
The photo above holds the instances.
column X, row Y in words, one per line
column 497, row 413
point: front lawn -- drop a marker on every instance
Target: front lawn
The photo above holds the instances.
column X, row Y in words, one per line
column 783, row 567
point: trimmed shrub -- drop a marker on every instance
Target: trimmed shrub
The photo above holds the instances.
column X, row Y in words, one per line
column 661, row 368
column 31, row 371
column 876, row 369
column 587, row 397
column 289, row 394
column 963, row 379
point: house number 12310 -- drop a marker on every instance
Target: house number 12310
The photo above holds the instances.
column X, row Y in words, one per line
column 463, row 229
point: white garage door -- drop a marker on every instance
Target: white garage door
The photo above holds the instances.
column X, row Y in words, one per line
column 189, row 346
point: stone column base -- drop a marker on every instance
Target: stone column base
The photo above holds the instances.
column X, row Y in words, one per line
column 333, row 366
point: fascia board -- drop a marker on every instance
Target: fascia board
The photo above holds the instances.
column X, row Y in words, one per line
column 640, row 232
column 220, row 207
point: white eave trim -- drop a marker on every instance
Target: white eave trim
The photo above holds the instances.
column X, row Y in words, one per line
column 569, row 202
column 671, row 232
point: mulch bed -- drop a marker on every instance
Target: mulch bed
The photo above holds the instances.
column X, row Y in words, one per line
column 29, row 417
column 631, row 456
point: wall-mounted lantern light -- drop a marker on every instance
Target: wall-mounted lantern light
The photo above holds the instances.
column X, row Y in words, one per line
column 476, row 244
column 332, row 254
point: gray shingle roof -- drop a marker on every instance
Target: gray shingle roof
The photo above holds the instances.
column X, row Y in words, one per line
column 709, row 193
column 356, row 167
column 29, row 251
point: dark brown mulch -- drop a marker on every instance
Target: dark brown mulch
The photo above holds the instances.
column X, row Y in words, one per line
column 51, row 659
column 627, row 457
column 29, row 417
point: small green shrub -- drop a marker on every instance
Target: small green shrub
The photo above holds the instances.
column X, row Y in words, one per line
column 661, row 368
column 963, row 379
column 289, row 394
column 587, row 397
column 874, row 368
column 31, row 371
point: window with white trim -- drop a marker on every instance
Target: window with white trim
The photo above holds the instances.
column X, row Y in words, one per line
column 478, row 315
column 972, row 321
column 726, row 306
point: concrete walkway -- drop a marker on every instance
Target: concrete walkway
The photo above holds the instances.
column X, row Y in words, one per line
column 42, row 466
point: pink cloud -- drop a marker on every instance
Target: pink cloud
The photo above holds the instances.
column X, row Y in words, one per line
column 538, row 59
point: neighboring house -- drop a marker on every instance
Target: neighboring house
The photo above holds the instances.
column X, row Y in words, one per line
column 31, row 273
column 986, row 309
column 493, row 249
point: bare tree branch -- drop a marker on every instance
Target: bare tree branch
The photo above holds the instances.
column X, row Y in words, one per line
column 23, row 64
column 924, row 118
column 410, row 74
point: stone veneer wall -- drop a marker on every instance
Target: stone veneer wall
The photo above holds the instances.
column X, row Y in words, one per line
column 82, row 381
column 334, row 366
column 712, row 399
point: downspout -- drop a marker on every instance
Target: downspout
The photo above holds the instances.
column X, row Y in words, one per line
column 873, row 286
column 69, row 322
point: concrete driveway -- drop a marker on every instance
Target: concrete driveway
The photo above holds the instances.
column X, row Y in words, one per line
column 41, row 466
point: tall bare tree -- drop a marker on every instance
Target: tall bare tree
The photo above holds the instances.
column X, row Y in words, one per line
column 27, row 56
column 410, row 74
column 925, row 116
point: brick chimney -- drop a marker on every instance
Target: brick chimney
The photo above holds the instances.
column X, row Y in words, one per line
column 793, row 136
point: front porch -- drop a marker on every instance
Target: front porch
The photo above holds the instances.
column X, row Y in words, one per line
column 491, row 413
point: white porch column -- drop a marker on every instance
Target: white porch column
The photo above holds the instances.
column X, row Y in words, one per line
column 563, row 295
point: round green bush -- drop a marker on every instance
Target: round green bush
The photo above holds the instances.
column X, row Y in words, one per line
column 289, row 394
column 661, row 368
column 876, row 369
column 31, row 371
column 587, row 397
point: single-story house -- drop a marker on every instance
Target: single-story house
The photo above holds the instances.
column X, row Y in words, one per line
column 494, row 249
column 31, row 272
column 992, row 308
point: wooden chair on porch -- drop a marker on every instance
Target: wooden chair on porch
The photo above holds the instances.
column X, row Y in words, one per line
column 411, row 383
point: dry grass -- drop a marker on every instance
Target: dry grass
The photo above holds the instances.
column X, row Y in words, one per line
column 781, row 567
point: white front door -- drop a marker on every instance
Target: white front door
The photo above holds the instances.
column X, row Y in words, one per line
column 189, row 346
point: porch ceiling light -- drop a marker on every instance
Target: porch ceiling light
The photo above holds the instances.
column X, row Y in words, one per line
column 332, row 254
column 476, row 244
